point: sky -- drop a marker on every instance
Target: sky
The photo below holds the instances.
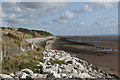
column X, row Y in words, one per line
column 63, row 18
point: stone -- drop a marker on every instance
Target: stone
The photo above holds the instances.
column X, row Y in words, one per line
column 34, row 75
column 62, row 66
column 1, row 78
column 12, row 75
column 56, row 75
column 57, row 57
column 63, row 75
column 48, row 67
column 76, row 68
column 74, row 71
column 50, row 75
column 41, row 76
column 5, row 76
column 28, row 71
column 69, row 62
column 48, row 63
column 24, row 75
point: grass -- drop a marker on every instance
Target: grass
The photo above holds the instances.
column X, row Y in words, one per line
column 56, row 61
column 38, row 69
column 34, row 33
column 13, row 37
column 23, row 60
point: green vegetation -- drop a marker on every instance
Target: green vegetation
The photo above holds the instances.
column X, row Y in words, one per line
column 115, row 76
column 34, row 33
column 20, row 61
column 13, row 37
column 39, row 69
column 56, row 61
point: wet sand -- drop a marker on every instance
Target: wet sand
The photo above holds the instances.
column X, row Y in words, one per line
column 86, row 48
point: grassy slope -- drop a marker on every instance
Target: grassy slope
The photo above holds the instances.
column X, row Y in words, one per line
column 12, row 38
column 20, row 61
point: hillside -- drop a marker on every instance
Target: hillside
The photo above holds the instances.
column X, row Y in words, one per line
column 13, row 37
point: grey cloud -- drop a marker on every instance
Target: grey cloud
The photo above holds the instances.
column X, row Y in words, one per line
column 63, row 18
column 27, row 13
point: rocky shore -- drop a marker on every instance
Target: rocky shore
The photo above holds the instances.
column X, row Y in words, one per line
column 59, row 64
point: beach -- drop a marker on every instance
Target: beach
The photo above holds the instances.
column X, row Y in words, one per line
column 101, row 51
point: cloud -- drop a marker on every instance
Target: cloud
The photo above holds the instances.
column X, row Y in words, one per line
column 106, row 22
column 81, row 23
column 63, row 18
column 28, row 13
column 103, row 4
column 94, row 5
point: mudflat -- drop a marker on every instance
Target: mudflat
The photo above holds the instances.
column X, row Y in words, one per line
column 101, row 51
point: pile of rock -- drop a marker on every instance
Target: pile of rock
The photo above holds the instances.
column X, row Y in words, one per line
column 74, row 68
column 23, row 74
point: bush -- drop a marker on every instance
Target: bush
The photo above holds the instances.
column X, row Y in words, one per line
column 32, row 32
column 114, row 76
column 38, row 69
column 41, row 60
column 42, row 32
column 56, row 61
column 3, row 28
column 12, row 36
column 29, row 65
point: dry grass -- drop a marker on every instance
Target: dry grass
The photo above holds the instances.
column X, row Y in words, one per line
column 20, row 61
column 13, row 37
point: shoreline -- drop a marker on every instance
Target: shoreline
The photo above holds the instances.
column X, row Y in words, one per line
column 60, row 64
column 107, row 61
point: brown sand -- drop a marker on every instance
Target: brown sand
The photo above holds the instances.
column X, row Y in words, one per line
column 107, row 62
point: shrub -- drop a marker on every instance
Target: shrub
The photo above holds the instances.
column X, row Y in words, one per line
column 38, row 69
column 32, row 32
column 12, row 36
column 114, row 76
column 3, row 28
column 58, row 62
column 42, row 32
column 29, row 65
column 41, row 60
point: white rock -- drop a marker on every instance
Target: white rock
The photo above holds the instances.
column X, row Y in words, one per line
column 5, row 76
column 12, row 75
column 27, row 70
column 34, row 75
column 24, row 75
column 74, row 71
column 63, row 75
column 86, row 75
column 57, row 57
column 41, row 76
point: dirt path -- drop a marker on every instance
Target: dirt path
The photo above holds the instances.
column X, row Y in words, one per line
column 49, row 43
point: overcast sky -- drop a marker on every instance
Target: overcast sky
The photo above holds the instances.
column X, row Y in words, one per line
column 63, row 18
